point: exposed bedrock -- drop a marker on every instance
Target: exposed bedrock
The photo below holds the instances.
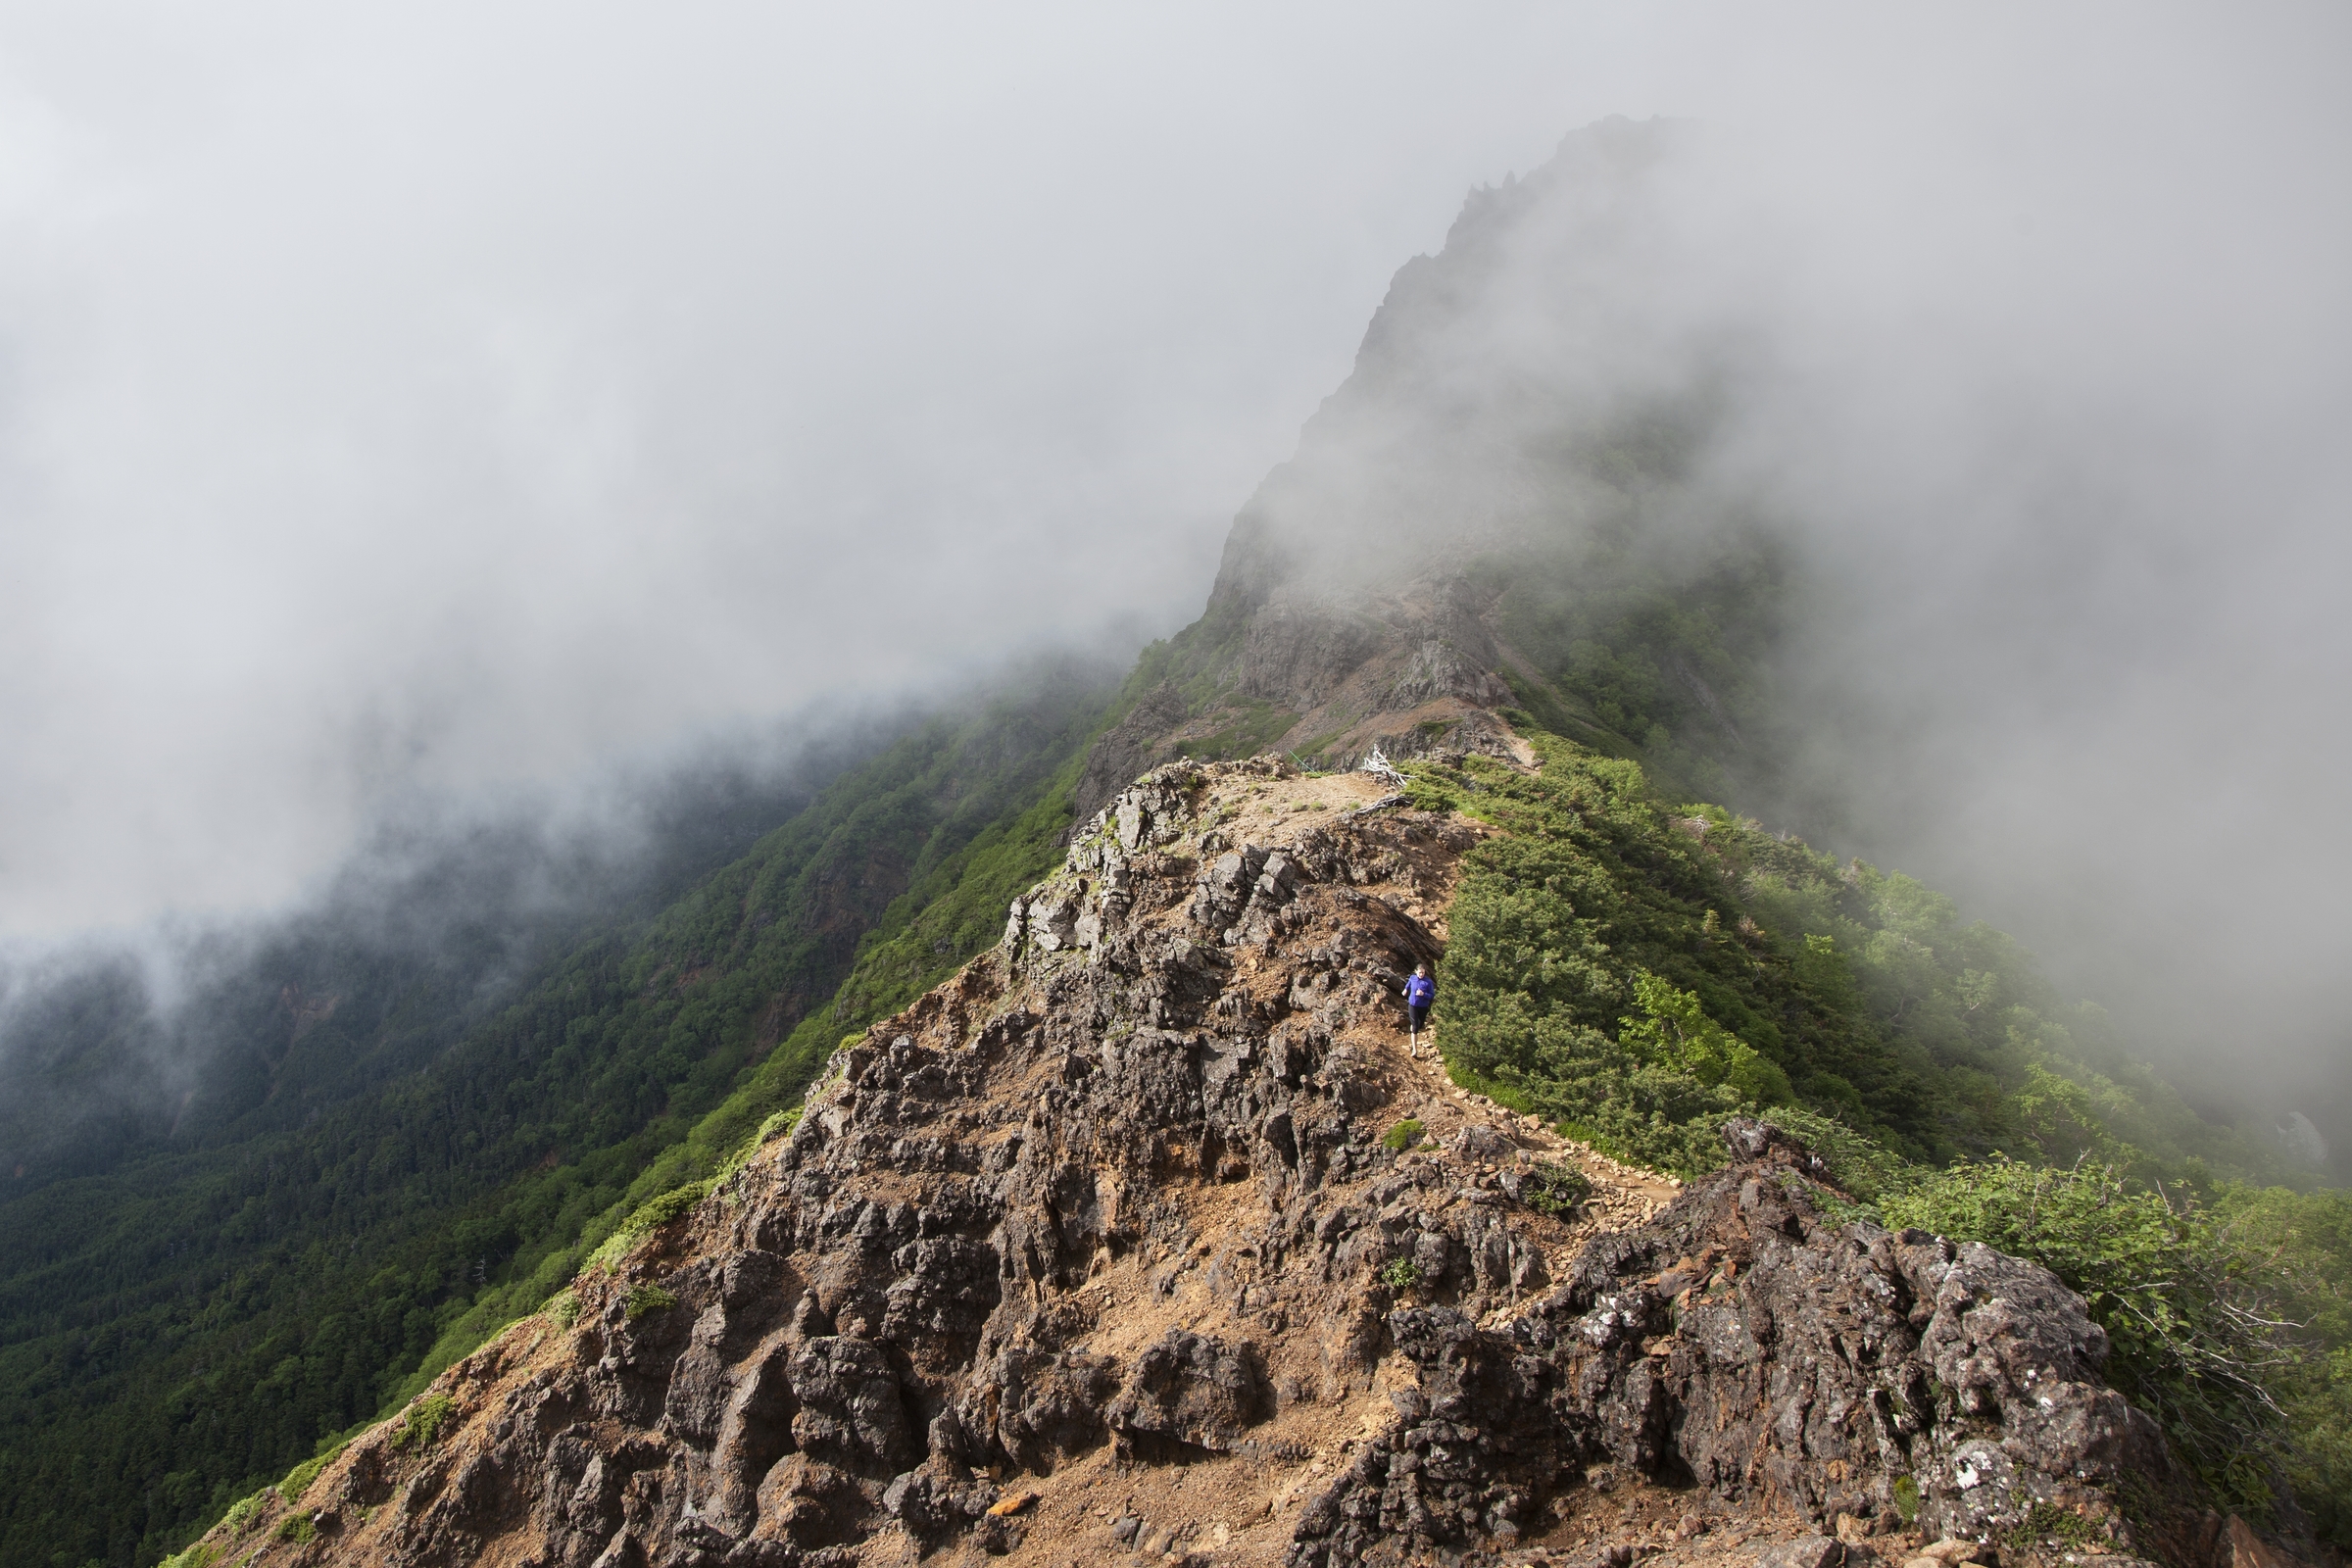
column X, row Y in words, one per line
column 1115, row 1203
column 1748, row 1346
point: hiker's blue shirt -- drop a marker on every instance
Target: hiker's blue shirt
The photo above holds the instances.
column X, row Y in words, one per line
column 1419, row 991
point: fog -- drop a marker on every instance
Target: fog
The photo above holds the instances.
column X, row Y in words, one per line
column 478, row 400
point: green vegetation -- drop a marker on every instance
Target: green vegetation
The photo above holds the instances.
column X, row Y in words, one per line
column 1555, row 1189
column 648, row 1217
column 298, row 1480
column 243, row 1512
column 423, row 1422
column 644, row 1299
column 1640, row 972
column 296, row 1528
column 1403, row 1135
column 191, row 1323
column 1399, row 1274
column 2181, row 1305
column 1673, row 1032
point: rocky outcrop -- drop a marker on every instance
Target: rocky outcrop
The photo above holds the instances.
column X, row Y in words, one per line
column 1115, row 1244
column 1752, row 1348
column 1380, row 653
column 1128, row 749
column 1411, row 668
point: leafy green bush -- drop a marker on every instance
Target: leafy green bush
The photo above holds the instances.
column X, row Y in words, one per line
column 297, row 1527
column 644, row 1299
column 779, row 1124
column 1861, row 1167
column 1399, row 1274
column 423, row 1422
column 199, row 1555
column 1636, row 972
column 1404, row 1135
column 563, row 1307
column 1674, row 1031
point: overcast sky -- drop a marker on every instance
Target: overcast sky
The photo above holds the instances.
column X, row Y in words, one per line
column 468, row 397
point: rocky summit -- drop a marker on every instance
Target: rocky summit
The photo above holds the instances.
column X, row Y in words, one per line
column 1152, row 1236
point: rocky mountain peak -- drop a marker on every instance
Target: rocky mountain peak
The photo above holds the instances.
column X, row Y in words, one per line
column 1150, row 1237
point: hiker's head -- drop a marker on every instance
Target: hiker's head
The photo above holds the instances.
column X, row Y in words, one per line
column 1421, row 968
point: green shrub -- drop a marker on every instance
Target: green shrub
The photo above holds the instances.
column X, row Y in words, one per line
column 1906, row 1499
column 1862, row 1167
column 779, row 1124
column 563, row 1307
column 1674, row 1031
column 200, row 1555
column 2048, row 1521
column 298, row 1480
column 644, row 1299
column 241, row 1514
column 297, row 1527
column 650, row 1216
column 1400, row 1274
column 423, row 1422
column 1403, row 1135
column 1555, row 1190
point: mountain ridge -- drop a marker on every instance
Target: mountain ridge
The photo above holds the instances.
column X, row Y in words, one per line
column 1475, row 572
column 1110, row 1214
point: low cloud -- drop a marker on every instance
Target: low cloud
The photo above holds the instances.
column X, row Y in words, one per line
column 460, row 401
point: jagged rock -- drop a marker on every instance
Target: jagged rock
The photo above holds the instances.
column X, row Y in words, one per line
column 1745, row 1343
column 1480, row 1142
column 1192, row 1389
column 1114, row 1203
column 1127, row 749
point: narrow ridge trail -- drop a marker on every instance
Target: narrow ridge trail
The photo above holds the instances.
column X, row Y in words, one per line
column 1108, row 1251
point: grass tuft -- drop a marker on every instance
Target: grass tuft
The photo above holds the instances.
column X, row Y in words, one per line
column 422, row 1423
column 644, row 1299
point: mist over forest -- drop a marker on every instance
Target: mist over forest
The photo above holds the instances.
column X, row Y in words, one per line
column 467, row 442
column 495, row 538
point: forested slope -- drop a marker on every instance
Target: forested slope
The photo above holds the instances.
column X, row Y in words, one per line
column 188, row 1323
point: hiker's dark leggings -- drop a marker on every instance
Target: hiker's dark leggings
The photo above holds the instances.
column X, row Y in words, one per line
column 1419, row 1016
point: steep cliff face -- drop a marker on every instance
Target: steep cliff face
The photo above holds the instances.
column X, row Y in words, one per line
column 1124, row 1243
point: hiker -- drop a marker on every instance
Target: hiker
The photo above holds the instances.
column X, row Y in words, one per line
column 1419, row 992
